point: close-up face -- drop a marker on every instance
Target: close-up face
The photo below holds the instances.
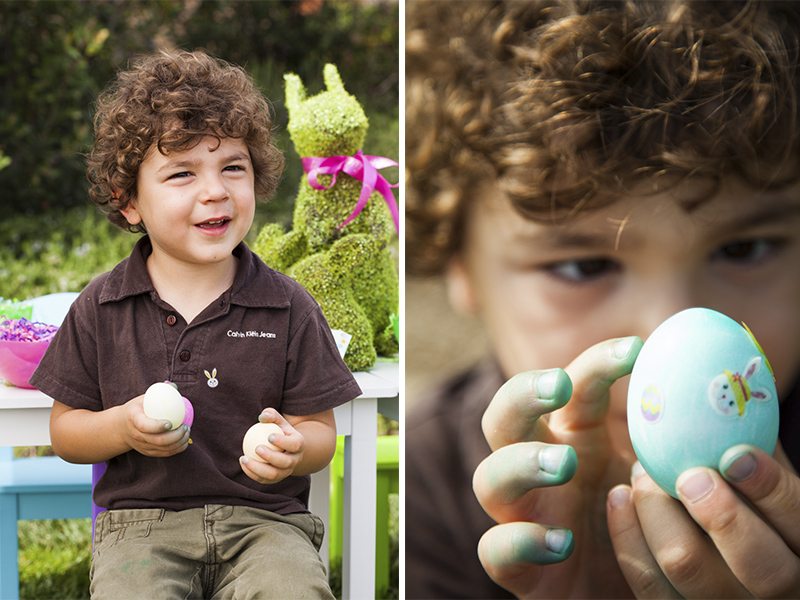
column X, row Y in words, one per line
column 548, row 292
column 198, row 204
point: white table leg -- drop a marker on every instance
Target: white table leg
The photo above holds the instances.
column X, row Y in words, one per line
column 358, row 543
column 319, row 504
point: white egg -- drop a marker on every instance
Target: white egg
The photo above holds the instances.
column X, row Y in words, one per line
column 258, row 435
column 163, row 402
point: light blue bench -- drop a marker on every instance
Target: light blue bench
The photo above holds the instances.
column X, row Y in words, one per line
column 36, row 488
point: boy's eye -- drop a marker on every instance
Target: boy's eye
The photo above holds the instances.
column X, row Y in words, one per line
column 748, row 251
column 179, row 175
column 234, row 168
column 583, row 270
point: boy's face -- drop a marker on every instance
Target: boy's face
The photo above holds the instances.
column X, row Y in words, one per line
column 198, row 204
column 548, row 292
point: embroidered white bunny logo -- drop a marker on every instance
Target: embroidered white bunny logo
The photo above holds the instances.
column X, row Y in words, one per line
column 212, row 378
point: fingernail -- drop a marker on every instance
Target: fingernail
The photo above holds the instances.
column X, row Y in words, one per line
column 244, row 460
column 619, row 496
column 637, row 470
column 558, row 540
column 547, row 383
column 271, row 438
column 622, row 347
column 738, row 464
column 695, row 486
column 552, row 459
column 167, row 426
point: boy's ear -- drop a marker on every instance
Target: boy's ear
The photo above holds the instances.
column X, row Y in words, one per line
column 131, row 214
column 460, row 290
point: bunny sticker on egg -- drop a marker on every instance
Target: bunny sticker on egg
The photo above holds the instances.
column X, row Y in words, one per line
column 729, row 392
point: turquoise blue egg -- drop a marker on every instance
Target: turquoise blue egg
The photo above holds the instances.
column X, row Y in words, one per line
column 700, row 385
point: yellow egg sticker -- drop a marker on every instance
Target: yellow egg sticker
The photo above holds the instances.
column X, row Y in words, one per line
column 652, row 404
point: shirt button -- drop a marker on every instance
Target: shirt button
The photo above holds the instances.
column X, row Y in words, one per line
column 171, row 320
column 185, row 355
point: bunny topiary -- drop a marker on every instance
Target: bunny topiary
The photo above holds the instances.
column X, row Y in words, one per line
column 340, row 255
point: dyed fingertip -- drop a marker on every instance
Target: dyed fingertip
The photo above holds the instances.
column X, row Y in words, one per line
column 559, row 541
column 627, row 348
column 554, row 385
column 738, row 463
column 561, row 461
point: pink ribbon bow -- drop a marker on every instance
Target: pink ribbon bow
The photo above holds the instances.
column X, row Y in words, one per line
column 363, row 167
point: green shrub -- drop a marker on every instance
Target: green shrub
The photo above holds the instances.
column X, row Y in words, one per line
column 54, row 560
column 60, row 251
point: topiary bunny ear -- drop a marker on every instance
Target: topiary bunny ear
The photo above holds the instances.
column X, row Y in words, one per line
column 295, row 91
column 332, row 79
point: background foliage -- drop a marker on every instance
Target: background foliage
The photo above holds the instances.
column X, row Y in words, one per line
column 56, row 56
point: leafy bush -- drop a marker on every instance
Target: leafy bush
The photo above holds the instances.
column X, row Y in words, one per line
column 60, row 251
column 54, row 560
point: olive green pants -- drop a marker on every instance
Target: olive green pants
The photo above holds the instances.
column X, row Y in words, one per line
column 212, row 552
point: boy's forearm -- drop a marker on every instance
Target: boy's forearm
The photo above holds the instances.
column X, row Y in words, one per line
column 85, row 436
column 319, row 447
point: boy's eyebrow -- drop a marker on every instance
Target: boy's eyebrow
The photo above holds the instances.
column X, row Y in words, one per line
column 563, row 238
column 173, row 164
column 764, row 215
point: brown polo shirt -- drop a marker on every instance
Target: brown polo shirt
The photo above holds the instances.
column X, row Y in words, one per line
column 265, row 337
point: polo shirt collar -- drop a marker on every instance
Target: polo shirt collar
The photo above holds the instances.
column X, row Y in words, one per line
column 254, row 284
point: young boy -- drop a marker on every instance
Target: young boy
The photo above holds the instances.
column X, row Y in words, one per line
column 581, row 172
column 183, row 145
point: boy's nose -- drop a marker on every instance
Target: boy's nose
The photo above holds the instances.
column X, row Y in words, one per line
column 214, row 189
column 662, row 301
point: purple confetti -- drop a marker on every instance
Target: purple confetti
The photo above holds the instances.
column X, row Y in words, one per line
column 23, row 330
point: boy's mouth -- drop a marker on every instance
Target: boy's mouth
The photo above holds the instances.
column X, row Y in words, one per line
column 214, row 223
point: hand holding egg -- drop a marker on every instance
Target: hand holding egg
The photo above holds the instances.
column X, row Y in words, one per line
column 279, row 457
column 258, row 435
column 163, row 401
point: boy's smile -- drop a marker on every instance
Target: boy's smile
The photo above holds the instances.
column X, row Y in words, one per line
column 548, row 292
column 196, row 205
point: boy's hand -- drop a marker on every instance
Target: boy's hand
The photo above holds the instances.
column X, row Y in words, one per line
column 546, row 481
column 151, row 437
column 281, row 463
column 715, row 542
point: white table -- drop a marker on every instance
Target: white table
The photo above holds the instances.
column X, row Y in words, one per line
column 25, row 418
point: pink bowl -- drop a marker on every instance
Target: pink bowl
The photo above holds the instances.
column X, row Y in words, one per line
column 18, row 360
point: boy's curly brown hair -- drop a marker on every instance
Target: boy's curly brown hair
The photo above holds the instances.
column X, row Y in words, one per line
column 170, row 100
column 566, row 104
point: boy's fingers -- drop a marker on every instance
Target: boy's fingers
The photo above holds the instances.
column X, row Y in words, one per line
column 684, row 553
column 638, row 564
column 291, row 443
column 771, row 488
column 513, row 413
column 502, row 481
column 752, row 549
column 592, row 374
column 511, row 553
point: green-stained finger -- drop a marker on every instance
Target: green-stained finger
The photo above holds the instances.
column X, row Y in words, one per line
column 503, row 479
column 506, row 550
column 514, row 411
